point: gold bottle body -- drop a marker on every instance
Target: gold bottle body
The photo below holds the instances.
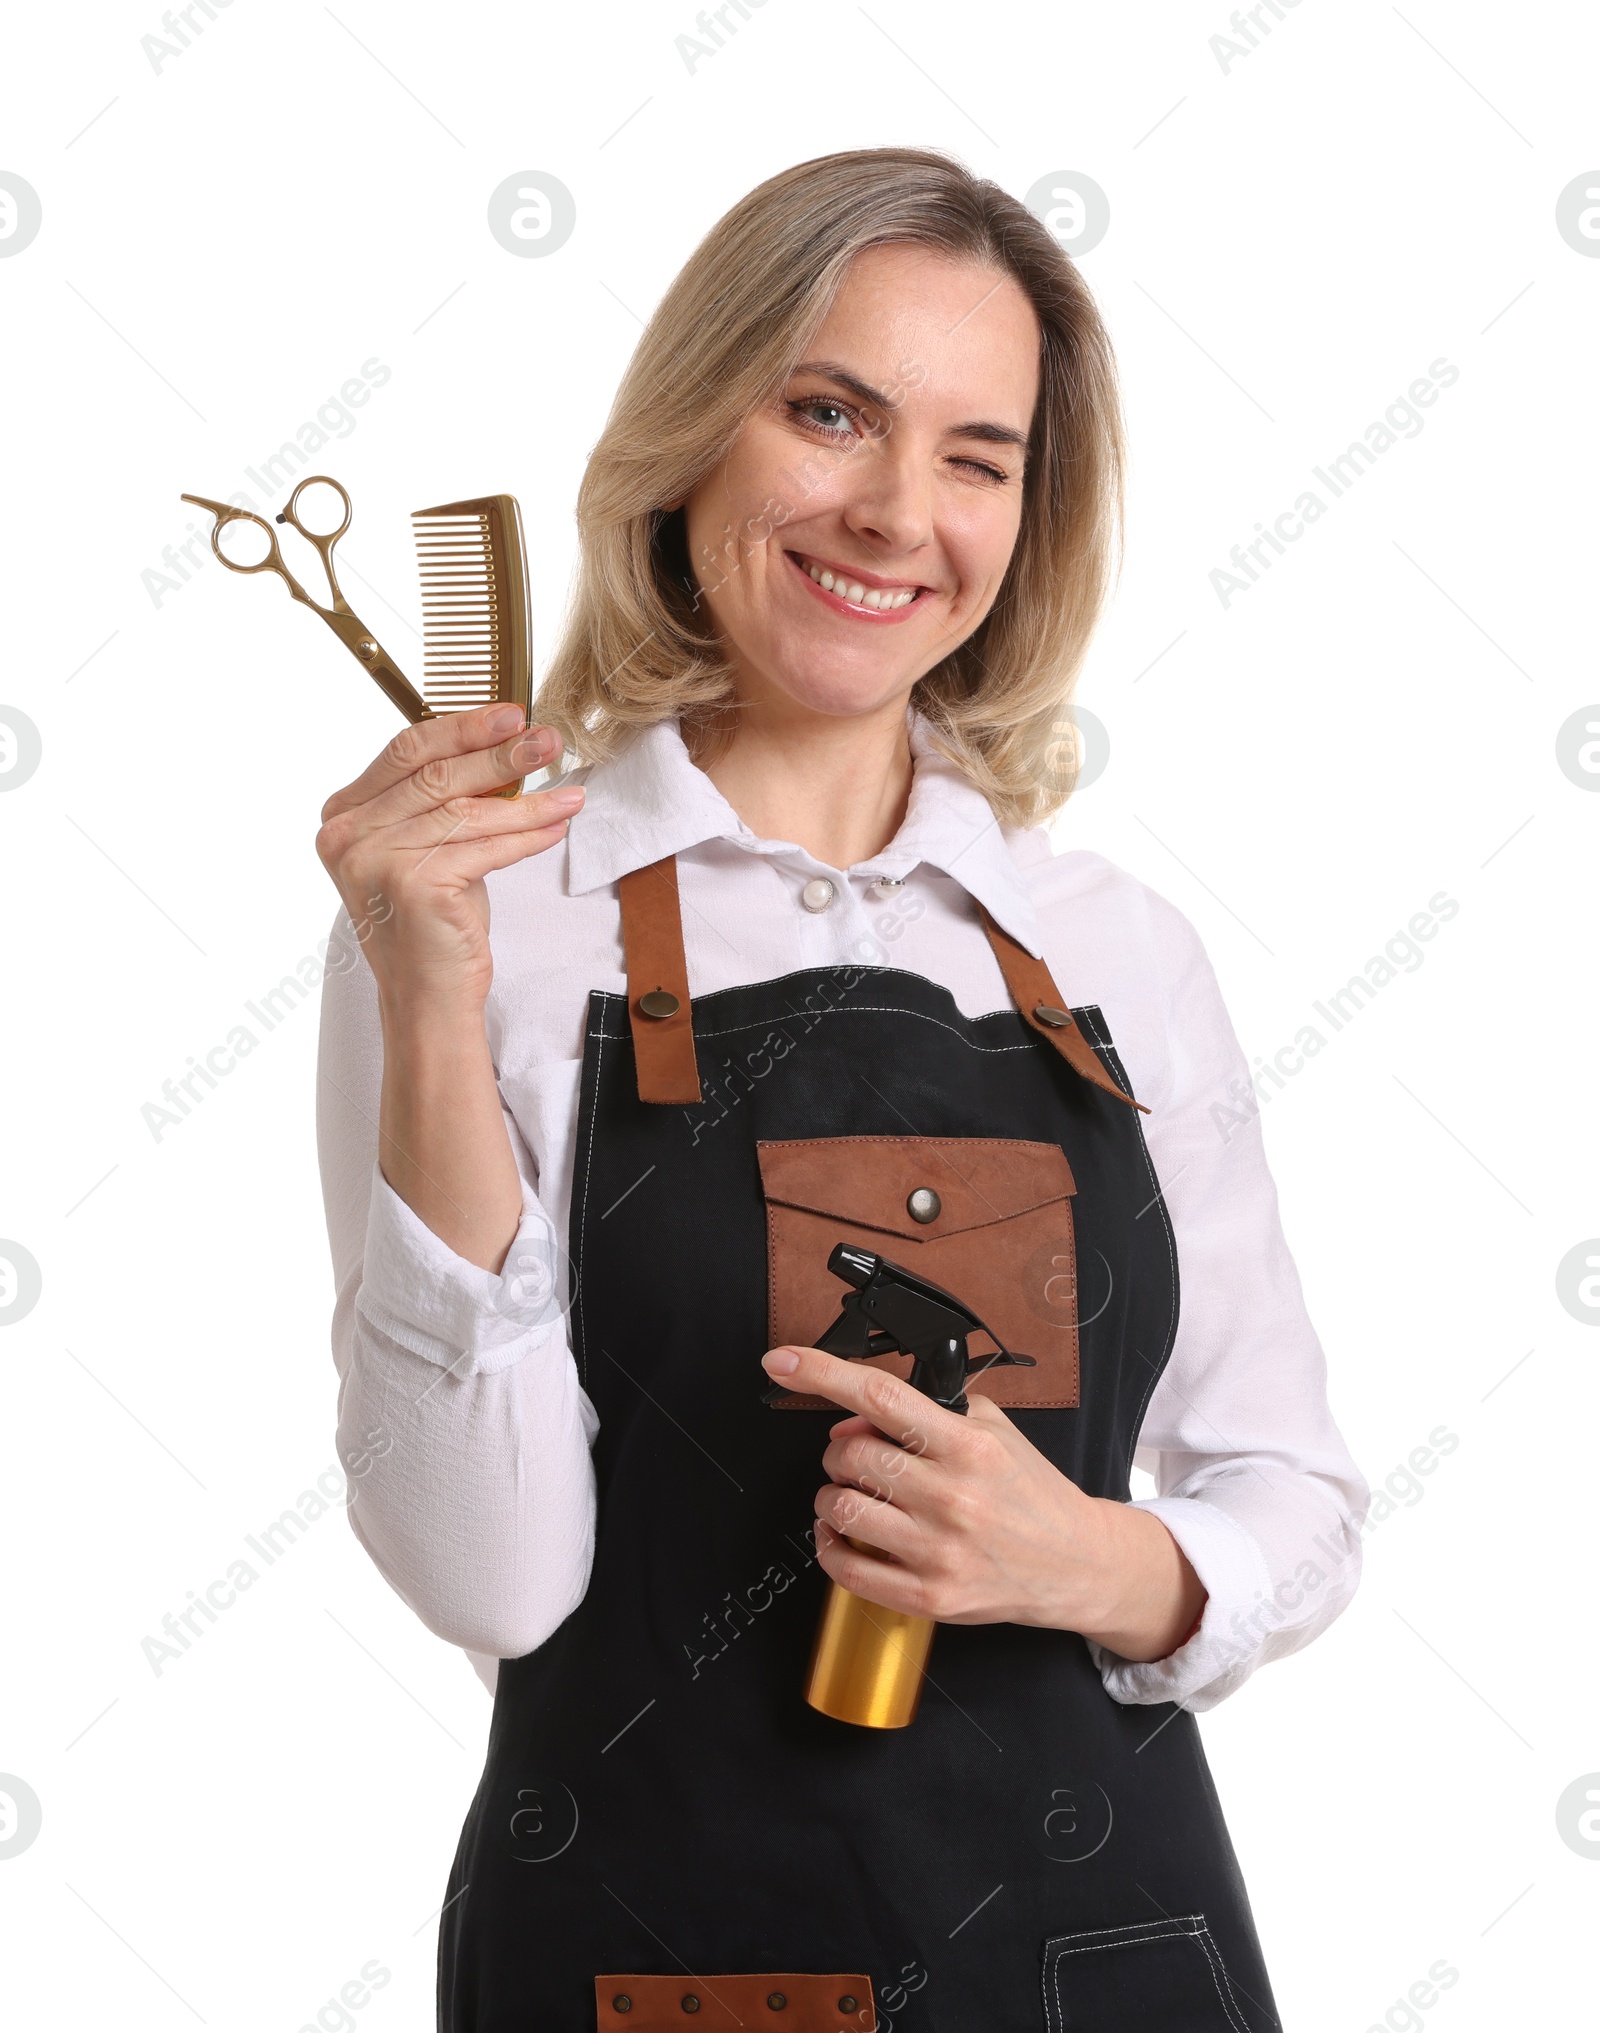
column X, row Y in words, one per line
column 867, row 1662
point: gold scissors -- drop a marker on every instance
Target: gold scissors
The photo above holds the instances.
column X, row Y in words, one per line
column 351, row 630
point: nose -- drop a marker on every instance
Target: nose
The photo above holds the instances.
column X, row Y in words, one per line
column 888, row 499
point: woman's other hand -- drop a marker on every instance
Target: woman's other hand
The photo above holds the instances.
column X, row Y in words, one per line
column 962, row 1519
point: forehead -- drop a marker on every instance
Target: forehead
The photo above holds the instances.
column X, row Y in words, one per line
column 953, row 334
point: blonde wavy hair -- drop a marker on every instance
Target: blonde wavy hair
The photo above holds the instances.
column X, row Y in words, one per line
column 724, row 340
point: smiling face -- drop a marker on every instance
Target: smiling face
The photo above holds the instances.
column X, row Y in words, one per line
column 862, row 524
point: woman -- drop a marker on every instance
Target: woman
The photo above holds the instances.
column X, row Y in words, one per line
column 845, row 536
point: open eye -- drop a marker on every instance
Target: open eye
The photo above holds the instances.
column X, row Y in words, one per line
column 823, row 413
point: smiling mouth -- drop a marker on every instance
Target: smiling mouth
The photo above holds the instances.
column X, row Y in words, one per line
column 848, row 595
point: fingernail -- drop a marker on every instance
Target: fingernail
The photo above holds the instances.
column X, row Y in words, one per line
column 504, row 718
column 780, row 1362
column 533, row 748
column 565, row 800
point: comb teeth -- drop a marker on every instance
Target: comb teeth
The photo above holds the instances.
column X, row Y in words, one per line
column 474, row 603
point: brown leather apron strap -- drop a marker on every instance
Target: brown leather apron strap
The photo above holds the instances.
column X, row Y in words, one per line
column 784, row 2000
column 1042, row 1005
column 658, row 984
column 663, row 1028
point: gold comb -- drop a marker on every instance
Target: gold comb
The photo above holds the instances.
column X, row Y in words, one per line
column 474, row 601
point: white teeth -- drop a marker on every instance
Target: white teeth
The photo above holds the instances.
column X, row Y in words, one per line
column 874, row 600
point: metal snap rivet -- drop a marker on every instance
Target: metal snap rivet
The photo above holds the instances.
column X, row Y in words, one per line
column 690, row 2003
column 847, row 2003
column 622, row 2002
column 817, row 894
column 776, row 2002
column 1054, row 1019
column 924, row 1205
column 660, row 1002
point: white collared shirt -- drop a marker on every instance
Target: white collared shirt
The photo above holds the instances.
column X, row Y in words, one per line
column 464, row 1424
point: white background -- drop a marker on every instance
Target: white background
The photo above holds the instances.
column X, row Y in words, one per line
column 1293, row 240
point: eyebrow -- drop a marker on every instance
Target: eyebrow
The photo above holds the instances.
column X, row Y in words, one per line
column 831, row 370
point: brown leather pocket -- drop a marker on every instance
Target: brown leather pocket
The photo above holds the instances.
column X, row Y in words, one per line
column 1001, row 1241
column 784, row 2000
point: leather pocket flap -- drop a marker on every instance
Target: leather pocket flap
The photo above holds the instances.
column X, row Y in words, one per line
column 782, row 2000
column 873, row 1182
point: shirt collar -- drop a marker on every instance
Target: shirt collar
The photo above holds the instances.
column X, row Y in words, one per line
column 652, row 800
column 647, row 802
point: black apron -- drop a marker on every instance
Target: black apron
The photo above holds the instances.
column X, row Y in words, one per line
column 657, row 1797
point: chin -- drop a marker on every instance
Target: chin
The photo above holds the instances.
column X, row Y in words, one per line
column 826, row 684
column 842, row 694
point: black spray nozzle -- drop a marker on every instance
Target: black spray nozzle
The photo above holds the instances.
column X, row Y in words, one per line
column 854, row 1265
column 892, row 1311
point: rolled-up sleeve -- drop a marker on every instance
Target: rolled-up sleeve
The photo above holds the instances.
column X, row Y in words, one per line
column 462, row 1424
column 1253, row 1478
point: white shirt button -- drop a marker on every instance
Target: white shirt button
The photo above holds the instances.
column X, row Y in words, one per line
column 817, row 894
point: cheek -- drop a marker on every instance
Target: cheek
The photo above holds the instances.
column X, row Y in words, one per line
column 980, row 543
column 756, row 472
column 734, row 512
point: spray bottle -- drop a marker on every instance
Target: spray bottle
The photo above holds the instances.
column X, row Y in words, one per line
column 867, row 1662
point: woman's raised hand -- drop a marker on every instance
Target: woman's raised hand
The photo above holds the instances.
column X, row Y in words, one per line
column 409, row 843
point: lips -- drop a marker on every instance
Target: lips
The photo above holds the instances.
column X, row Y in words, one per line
column 862, row 595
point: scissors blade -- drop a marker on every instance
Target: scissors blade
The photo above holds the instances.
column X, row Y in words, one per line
column 376, row 661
